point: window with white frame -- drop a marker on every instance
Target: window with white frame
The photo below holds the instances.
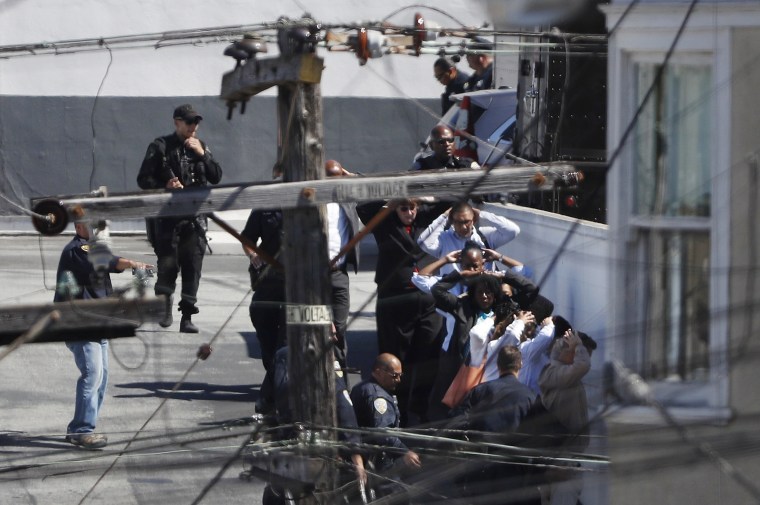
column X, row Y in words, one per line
column 671, row 217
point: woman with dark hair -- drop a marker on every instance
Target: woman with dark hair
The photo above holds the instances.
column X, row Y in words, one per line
column 484, row 292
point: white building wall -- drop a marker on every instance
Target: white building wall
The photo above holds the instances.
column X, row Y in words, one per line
column 196, row 70
column 75, row 121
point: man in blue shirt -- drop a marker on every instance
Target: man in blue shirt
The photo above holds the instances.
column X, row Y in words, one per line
column 91, row 355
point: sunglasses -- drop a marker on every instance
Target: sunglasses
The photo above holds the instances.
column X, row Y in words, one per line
column 190, row 122
column 394, row 375
column 407, row 208
column 444, row 141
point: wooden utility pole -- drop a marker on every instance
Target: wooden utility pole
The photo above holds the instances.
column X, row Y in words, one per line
column 309, row 316
column 436, row 183
column 297, row 72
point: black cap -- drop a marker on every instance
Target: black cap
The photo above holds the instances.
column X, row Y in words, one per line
column 187, row 113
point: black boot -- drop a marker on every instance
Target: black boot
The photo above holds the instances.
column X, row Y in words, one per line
column 168, row 319
column 186, row 325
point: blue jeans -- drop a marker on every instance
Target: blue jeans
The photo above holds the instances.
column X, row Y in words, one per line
column 92, row 360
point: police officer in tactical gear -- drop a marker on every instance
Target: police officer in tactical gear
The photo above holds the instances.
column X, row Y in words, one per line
column 442, row 156
column 177, row 161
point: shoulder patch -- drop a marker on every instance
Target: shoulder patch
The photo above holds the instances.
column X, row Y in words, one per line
column 85, row 247
column 381, row 405
column 348, row 397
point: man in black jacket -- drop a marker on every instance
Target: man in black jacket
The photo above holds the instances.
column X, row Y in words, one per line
column 177, row 161
column 267, row 309
column 497, row 410
column 407, row 323
column 442, row 156
column 500, row 405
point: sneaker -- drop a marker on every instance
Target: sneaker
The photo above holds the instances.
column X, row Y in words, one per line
column 187, row 326
column 88, row 440
column 168, row 319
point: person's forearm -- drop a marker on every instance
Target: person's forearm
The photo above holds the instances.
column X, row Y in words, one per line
column 125, row 263
column 429, row 239
column 433, row 267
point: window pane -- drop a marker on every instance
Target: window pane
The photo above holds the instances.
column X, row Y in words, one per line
column 672, row 141
column 676, row 294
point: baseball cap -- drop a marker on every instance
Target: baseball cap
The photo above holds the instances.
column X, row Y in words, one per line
column 186, row 112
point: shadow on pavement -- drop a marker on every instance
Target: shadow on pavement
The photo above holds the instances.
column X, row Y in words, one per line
column 20, row 439
column 193, row 391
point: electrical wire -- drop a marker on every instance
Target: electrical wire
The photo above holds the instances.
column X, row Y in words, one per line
column 422, row 6
column 626, row 133
column 215, row 479
column 556, row 257
column 163, row 401
column 94, row 106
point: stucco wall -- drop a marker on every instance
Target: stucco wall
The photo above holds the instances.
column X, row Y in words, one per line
column 58, row 145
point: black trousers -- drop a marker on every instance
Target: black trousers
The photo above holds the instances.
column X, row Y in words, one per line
column 179, row 246
column 341, row 303
column 267, row 311
column 409, row 328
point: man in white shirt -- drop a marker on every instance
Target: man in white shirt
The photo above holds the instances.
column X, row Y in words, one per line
column 342, row 225
column 462, row 223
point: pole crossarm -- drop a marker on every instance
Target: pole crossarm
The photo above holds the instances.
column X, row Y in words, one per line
column 261, row 74
column 287, row 195
column 81, row 319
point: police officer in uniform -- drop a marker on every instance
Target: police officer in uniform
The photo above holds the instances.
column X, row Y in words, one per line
column 267, row 309
column 376, row 407
column 177, row 161
column 90, row 353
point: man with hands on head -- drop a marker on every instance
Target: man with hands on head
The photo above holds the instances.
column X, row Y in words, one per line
column 462, row 223
column 564, row 396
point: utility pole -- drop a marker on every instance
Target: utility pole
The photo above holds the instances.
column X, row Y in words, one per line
column 297, row 72
column 309, row 316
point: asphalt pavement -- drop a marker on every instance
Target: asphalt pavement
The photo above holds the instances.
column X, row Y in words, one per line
column 177, row 409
